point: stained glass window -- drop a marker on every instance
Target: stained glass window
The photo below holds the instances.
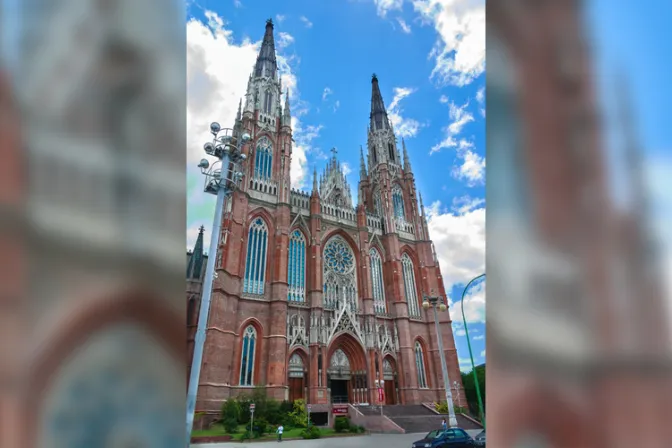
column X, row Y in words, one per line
column 296, row 267
column 340, row 279
column 410, row 286
column 398, row 201
column 247, row 357
column 420, row 365
column 376, row 267
column 263, row 160
column 255, row 262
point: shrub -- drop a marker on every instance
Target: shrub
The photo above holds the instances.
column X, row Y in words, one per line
column 441, row 407
column 341, row 424
column 231, row 410
column 361, row 429
column 299, row 416
column 230, row 425
column 461, row 410
column 273, row 413
column 261, row 426
column 312, row 432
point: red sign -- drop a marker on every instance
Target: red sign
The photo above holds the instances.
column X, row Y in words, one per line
column 381, row 394
column 340, row 409
column 251, row 406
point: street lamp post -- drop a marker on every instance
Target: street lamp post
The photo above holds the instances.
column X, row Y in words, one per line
column 435, row 302
column 220, row 179
column 471, row 354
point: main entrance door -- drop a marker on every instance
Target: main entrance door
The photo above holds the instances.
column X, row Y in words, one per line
column 296, row 380
column 339, row 377
column 389, row 375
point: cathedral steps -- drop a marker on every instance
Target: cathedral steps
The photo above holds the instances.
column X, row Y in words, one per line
column 410, row 418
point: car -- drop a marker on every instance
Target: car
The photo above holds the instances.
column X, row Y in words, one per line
column 445, row 438
column 479, row 440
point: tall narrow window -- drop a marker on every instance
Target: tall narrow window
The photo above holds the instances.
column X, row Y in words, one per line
column 376, row 265
column 255, row 262
column 296, row 268
column 398, row 201
column 390, row 150
column 377, row 205
column 268, row 102
column 373, row 153
column 410, row 289
column 263, row 159
column 247, row 356
column 420, row 366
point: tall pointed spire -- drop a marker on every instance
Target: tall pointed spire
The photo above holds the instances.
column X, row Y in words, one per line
column 422, row 206
column 362, row 164
column 315, row 191
column 240, row 106
column 196, row 260
column 378, row 116
column 286, row 115
column 407, row 161
column 266, row 64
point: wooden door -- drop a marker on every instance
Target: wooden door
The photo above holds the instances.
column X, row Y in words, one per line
column 389, row 392
column 295, row 389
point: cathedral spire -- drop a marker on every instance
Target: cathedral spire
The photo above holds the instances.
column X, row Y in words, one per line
column 266, row 64
column 407, row 161
column 315, row 191
column 362, row 164
column 196, row 260
column 286, row 115
column 240, row 106
column 378, row 116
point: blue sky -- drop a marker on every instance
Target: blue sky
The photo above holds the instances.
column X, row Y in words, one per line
column 328, row 52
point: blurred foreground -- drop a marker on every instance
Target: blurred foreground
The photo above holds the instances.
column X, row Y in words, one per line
column 578, row 310
column 92, row 210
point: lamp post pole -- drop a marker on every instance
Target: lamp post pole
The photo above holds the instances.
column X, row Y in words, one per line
column 471, row 354
column 433, row 301
column 219, row 181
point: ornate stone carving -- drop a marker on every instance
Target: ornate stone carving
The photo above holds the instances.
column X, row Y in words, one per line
column 296, row 331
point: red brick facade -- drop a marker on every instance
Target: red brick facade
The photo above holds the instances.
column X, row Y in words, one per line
column 378, row 344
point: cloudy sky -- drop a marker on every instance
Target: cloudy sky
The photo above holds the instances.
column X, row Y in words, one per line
column 429, row 56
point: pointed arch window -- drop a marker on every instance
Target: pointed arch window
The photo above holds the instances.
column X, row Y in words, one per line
column 377, row 204
column 375, row 156
column 247, row 356
column 398, row 201
column 263, row 160
column 296, row 267
column 376, row 268
column 420, row 365
column 255, row 262
column 390, row 150
column 340, row 278
column 410, row 289
column 268, row 102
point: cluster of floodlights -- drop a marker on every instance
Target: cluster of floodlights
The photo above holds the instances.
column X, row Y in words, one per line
column 429, row 301
column 225, row 148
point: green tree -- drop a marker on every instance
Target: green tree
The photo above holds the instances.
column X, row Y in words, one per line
column 470, row 388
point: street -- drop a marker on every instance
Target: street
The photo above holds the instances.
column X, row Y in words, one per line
column 374, row 440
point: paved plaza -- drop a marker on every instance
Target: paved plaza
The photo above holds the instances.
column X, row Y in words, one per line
column 374, row 440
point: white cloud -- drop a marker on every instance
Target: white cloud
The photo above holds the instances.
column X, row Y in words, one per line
column 337, row 104
column 325, row 94
column 403, row 127
column 460, row 332
column 459, row 117
column 483, row 353
column 465, row 365
column 279, row 18
column 405, row 27
column 464, row 204
column 480, row 97
column 471, row 169
column 237, row 3
column 306, row 22
column 284, row 40
column 347, row 169
column 459, row 239
column 443, row 99
column 385, row 6
column 479, row 337
column 459, row 52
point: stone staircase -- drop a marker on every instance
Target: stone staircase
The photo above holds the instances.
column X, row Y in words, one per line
column 418, row 418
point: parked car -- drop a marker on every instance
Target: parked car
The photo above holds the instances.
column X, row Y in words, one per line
column 479, row 440
column 449, row 438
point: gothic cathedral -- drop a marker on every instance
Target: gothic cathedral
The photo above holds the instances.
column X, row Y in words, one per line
column 317, row 298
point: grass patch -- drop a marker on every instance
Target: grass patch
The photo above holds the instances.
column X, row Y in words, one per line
column 218, row 430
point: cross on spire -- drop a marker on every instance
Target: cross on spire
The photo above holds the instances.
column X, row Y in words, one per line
column 334, row 151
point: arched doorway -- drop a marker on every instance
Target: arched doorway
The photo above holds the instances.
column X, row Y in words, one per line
column 391, row 384
column 296, row 373
column 347, row 379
